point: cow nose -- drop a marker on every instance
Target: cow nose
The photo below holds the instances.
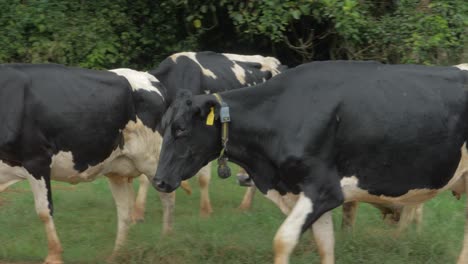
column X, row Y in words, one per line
column 160, row 185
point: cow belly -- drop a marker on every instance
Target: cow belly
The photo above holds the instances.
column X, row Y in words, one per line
column 10, row 175
column 352, row 192
column 63, row 168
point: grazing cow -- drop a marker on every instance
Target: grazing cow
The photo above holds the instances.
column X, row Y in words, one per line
column 72, row 125
column 329, row 132
column 204, row 73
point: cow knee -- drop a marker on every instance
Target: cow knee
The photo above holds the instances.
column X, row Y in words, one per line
column 203, row 181
column 204, row 177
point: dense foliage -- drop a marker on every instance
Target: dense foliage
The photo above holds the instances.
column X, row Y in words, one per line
column 140, row 33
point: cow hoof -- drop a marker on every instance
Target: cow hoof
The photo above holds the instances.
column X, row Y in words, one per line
column 138, row 218
column 138, row 221
column 205, row 213
column 244, row 180
column 167, row 232
column 244, row 207
column 111, row 258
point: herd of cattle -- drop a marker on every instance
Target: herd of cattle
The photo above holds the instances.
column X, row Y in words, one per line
column 310, row 138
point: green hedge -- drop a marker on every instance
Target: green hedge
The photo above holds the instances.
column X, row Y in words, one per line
column 139, row 34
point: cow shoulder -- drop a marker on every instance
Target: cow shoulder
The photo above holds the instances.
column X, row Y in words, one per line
column 12, row 87
column 147, row 94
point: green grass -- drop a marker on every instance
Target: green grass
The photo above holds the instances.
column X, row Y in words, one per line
column 86, row 221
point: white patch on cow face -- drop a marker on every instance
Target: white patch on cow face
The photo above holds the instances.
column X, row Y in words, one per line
column 268, row 63
column 239, row 72
column 138, row 80
column 10, row 175
column 192, row 56
column 139, row 155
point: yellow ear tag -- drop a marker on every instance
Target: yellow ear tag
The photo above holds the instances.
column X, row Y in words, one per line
column 210, row 117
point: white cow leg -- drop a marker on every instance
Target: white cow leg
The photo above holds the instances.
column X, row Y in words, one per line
column 282, row 202
column 123, row 196
column 324, row 238
column 418, row 216
column 168, row 203
column 349, row 215
column 409, row 214
column 288, row 234
column 246, row 203
column 204, row 177
column 185, row 185
column 54, row 255
column 406, row 217
column 138, row 214
column 463, row 258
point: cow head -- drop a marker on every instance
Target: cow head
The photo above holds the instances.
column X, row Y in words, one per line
column 188, row 142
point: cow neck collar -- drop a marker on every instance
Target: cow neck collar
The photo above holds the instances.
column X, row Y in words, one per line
column 223, row 168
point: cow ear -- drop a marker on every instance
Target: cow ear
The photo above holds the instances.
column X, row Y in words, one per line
column 208, row 109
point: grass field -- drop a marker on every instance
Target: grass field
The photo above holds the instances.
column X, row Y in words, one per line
column 86, row 221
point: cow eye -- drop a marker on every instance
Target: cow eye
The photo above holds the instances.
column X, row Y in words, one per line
column 180, row 131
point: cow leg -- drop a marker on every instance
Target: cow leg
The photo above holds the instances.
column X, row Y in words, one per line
column 204, row 176
column 185, row 185
column 310, row 206
column 323, row 234
column 122, row 191
column 44, row 208
column 406, row 217
column 418, row 216
column 168, row 203
column 284, row 202
column 409, row 213
column 138, row 214
column 349, row 215
column 463, row 258
column 289, row 232
column 246, row 203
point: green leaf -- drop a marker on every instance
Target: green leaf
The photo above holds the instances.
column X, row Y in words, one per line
column 296, row 14
column 197, row 23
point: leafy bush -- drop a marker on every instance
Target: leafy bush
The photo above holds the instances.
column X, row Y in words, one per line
column 140, row 33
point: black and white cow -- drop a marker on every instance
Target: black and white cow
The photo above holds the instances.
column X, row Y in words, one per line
column 71, row 124
column 330, row 132
column 204, row 73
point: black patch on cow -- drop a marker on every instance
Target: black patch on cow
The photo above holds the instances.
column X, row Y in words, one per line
column 149, row 107
column 72, row 109
column 187, row 74
column 12, row 87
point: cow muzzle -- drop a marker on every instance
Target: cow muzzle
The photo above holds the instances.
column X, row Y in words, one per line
column 163, row 186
